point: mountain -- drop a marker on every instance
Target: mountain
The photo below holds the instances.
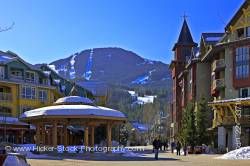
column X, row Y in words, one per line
column 113, row 66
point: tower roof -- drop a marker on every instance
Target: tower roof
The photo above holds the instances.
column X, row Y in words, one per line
column 185, row 37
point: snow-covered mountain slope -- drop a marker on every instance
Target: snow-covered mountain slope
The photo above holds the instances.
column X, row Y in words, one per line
column 113, row 65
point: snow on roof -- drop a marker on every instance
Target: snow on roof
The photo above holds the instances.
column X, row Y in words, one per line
column 74, row 99
column 47, row 73
column 57, row 81
column 53, row 67
column 5, row 59
column 73, row 110
column 132, row 93
column 238, row 154
column 213, row 38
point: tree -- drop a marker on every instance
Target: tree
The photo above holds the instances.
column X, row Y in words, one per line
column 202, row 122
column 188, row 132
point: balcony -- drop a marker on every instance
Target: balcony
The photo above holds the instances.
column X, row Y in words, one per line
column 218, row 65
column 5, row 96
column 218, row 84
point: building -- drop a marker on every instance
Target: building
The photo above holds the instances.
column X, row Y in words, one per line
column 191, row 75
column 229, row 61
column 24, row 87
column 183, row 50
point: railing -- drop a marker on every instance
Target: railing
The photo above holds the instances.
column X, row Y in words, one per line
column 21, row 80
column 218, row 83
column 218, row 64
column 5, row 96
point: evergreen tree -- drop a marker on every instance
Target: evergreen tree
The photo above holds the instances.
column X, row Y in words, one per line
column 188, row 134
column 202, row 122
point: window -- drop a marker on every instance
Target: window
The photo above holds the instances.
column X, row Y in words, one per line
column 1, row 72
column 240, row 32
column 16, row 74
column 30, row 76
column 28, row 92
column 244, row 93
column 43, row 95
column 242, row 62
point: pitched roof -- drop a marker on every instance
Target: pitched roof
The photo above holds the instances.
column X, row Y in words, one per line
column 237, row 14
column 185, row 37
column 5, row 58
column 212, row 38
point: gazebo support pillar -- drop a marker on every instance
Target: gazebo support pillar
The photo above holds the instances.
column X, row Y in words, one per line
column 54, row 134
column 38, row 136
column 92, row 143
column 65, row 139
column 109, row 136
column 86, row 137
column 43, row 134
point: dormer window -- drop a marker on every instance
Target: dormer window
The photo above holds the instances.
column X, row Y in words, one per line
column 30, row 76
column 16, row 74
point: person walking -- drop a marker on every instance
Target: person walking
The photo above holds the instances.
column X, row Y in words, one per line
column 156, row 144
column 165, row 144
column 172, row 146
column 185, row 149
column 178, row 148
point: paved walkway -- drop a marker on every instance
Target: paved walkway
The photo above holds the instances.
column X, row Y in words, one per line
column 146, row 160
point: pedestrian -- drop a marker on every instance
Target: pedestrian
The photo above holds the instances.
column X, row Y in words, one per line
column 156, row 144
column 165, row 144
column 172, row 146
column 178, row 148
column 185, row 149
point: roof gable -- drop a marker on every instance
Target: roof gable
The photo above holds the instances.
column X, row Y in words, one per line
column 235, row 19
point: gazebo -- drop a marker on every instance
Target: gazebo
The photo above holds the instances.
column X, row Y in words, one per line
column 52, row 122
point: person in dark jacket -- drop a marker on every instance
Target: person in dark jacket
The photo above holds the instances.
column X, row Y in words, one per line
column 185, row 149
column 157, row 145
column 178, row 148
column 172, row 147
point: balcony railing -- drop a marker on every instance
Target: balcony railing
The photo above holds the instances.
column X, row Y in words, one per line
column 218, row 64
column 218, row 84
column 5, row 96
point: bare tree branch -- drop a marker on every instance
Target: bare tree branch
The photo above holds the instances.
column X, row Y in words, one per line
column 7, row 28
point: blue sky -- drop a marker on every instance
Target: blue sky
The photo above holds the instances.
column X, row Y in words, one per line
column 47, row 30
